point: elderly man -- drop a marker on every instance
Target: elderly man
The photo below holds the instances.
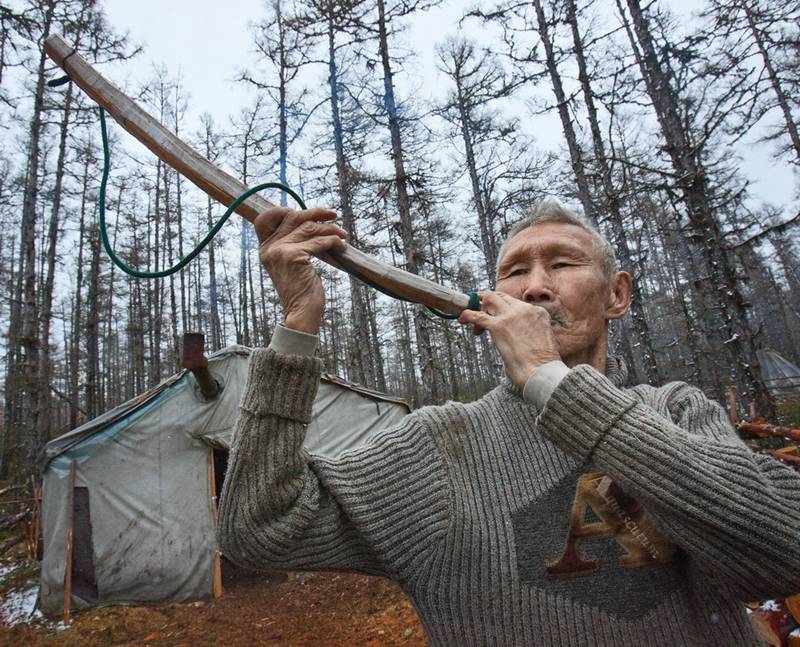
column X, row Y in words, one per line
column 560, row 509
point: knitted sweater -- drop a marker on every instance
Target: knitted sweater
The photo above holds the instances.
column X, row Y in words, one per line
column 612, row 517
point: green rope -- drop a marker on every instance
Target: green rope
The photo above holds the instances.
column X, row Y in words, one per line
column 474, row 302
column 200, row 246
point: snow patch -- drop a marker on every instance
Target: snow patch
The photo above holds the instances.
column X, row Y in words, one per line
column 770, row 605
column 5, row 570
column 19, row 606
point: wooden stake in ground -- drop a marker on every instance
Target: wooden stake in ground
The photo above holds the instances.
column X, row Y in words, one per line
column 225, row 188
column 68, row 566
column 217, row 586
column 732, row 412
column 34, row 525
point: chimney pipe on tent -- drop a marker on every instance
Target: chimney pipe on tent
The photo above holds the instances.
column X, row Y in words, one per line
column 194, row 360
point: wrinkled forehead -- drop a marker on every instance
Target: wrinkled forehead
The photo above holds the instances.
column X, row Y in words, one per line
column 549, row 238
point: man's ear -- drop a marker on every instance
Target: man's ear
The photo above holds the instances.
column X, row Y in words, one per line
column 619, row 295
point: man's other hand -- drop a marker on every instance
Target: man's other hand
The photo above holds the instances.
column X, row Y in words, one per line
column 287, row 240
column 521, row 332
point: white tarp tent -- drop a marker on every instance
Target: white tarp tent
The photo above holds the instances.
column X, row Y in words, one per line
column 780, row 375
column 146, row 475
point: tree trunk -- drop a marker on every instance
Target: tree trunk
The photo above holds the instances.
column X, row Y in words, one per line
column 156, row 290
column 693, row 184
column 43, row 433
column 169, row 237
column 775, row 82
column 485, row 223
column 23, row 415
column 612, row 207
column 93, row 329
column 575, row 153
column 360, row 365
column 424, row 347
column 213, row 297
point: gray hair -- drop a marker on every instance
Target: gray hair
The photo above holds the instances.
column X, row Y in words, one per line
column 554, row 211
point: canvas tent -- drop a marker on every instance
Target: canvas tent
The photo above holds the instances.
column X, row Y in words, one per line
column 780, row 375
column 146, row 477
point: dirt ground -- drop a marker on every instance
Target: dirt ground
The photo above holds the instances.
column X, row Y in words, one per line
column 327, row 609
column 323, row 610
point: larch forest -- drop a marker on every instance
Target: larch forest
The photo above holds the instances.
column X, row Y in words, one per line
column 654, row 110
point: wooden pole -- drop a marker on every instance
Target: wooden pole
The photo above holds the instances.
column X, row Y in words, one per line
column 217, row 575
column 68, row 566
column 764, row 429
column 225, row 188
column 35, row 523
column 732, row 412
column 193, row 358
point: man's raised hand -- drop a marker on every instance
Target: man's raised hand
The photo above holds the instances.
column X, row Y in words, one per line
column 520, row 331
column 287, row 240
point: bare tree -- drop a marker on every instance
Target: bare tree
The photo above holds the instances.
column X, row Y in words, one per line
column 611, row 201
column 751, row 49
column 479, row 81
column 686, row 152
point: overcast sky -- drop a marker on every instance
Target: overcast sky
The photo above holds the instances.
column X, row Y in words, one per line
column 207, row 42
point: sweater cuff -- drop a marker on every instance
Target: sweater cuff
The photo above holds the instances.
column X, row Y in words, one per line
column 293, row 342
column 281, row 385
column 543, row 381
column 581, row 410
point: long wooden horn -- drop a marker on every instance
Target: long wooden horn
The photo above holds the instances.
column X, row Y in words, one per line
column 225, row 188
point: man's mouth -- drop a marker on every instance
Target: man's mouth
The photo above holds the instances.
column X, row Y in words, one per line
column 555, row 318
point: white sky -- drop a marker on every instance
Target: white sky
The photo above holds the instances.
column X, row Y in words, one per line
column 208, row 42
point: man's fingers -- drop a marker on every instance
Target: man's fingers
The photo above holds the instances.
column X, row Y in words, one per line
column 507, row 298
column 267, row 222
column 270, row 221
column 298, row 218
column 319, row 244
column 492, row 302
column 476, row 318
column 311, row 229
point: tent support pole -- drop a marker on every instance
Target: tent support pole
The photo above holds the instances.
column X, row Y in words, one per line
column 217, row 585
column 68, row 566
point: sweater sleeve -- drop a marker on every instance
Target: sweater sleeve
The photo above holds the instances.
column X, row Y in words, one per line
column 375, row 510
column 736, row 513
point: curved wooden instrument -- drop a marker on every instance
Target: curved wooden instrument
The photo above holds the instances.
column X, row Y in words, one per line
column 224, row 188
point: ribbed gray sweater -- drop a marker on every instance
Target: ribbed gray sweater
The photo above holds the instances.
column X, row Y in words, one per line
column 612, row 517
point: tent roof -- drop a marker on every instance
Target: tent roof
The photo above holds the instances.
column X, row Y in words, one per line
column 63, row 443
column 779, row 373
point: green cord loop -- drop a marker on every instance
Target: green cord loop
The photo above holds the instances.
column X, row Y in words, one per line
column 200, row 246
column 474, row 302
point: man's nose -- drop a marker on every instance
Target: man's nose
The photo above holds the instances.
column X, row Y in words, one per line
column 538, row 288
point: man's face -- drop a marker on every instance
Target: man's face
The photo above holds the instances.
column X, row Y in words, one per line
column 554, row 265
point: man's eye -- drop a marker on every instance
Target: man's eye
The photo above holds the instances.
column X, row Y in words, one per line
column 517, row 272
column 558, row 266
